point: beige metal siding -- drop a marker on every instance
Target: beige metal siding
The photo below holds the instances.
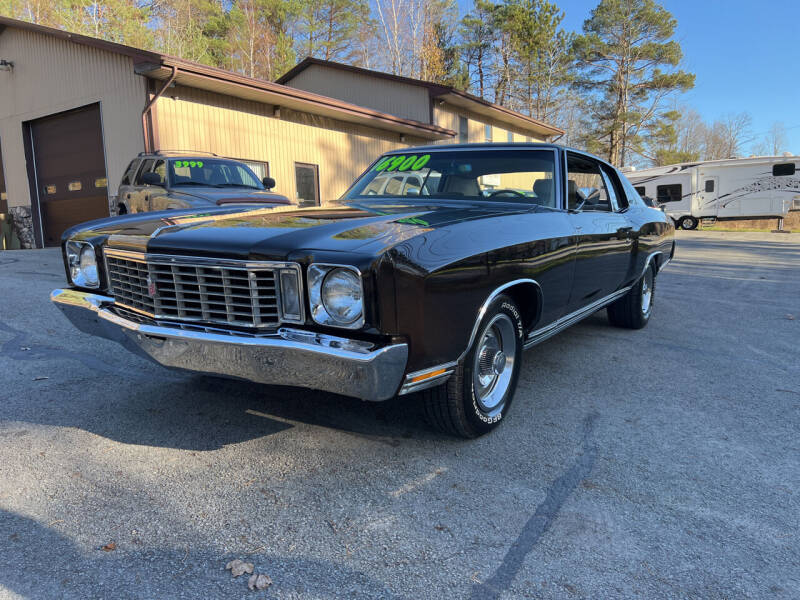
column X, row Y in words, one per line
column 51, row 75
column 447, row 116
column 188, row 118
column 392, row 97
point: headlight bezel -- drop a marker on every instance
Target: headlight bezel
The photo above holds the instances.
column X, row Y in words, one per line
column 81, row 275
column 316, row 277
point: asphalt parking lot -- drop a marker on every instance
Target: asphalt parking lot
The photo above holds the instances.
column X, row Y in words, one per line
column 661, row 463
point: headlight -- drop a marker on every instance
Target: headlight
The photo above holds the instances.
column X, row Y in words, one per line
column 82, row 263
column 336, row 296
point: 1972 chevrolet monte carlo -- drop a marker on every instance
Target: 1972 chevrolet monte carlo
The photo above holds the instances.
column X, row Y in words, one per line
column 434, row 272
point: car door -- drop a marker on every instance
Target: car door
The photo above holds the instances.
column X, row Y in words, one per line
column 158, row 196
column 137, row 194
column 604, row 232
column 126, row 187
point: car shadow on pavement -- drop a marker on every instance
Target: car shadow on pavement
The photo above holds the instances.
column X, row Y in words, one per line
column 39, row 562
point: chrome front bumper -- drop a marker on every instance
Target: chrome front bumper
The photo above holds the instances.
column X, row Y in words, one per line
column 289, row 357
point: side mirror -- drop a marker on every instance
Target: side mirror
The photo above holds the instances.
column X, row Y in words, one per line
column 152, row 178
column 268, row 182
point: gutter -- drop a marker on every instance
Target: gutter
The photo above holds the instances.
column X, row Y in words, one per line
column 148, row 143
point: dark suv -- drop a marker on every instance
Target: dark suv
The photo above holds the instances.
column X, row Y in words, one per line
column 174, row 180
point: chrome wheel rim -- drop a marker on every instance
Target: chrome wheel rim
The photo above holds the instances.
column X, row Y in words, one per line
column 647, row 291
column 494, row 363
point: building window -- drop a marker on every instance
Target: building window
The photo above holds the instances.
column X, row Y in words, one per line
column 510, row 136
column 307, row 183
column 261, row 169
column 709, row 185
column 463, row 130
column 669, row 193
column 783, row 169
column 487, row 132
column 74, row 186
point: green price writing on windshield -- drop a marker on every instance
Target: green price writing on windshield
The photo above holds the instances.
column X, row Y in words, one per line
column 188, row 163
column 402, row 162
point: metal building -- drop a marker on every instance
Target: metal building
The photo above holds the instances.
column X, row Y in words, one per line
column 74, row 110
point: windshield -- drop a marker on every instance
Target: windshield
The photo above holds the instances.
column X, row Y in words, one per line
column 524, row 176
column 212, row 172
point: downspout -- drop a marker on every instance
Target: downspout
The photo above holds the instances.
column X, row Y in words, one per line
column 148, row 144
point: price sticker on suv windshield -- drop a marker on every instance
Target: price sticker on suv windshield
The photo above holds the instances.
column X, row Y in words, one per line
column 402, row 162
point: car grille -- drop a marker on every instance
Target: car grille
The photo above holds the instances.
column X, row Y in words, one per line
column 239, row 293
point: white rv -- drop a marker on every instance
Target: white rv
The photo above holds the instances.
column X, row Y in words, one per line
column 736, row 188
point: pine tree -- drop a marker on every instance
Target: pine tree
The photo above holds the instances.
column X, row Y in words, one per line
column 624, row 48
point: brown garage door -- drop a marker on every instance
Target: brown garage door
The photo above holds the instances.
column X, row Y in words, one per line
column 70, row 170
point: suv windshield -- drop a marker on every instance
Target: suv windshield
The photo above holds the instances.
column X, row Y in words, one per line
column 524, row 176
column 212, row 172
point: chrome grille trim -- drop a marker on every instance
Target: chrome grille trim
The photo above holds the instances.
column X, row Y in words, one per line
column 199, row 289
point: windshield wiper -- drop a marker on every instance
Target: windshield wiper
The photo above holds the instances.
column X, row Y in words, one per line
column 244, row 185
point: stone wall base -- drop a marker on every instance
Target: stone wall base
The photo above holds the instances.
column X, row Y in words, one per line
column 791, row 222
column 22, row 225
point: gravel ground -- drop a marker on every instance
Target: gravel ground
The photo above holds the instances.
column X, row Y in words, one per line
column 661, row 463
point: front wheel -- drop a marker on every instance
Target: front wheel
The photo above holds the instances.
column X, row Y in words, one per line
column 478, row 394
column 633, row 310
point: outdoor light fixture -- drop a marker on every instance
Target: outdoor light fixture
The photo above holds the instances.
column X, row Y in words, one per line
column 6, row 65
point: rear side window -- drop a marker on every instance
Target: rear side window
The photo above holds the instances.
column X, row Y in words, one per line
column 146, row 166
column 669, row 193
column 127, row 179
column 783, row 169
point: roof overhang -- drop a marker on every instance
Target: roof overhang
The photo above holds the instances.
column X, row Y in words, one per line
column 231, row 84
column 438, row 91
column 498, row 113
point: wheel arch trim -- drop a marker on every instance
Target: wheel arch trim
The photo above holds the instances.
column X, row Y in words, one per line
column 485, row 306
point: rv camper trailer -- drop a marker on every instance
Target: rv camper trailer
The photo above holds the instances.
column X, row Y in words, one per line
column 736, row 188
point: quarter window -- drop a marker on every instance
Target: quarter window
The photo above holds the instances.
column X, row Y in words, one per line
column 669, row 193
column 127, row 179
column 307, row 183
column 783, row 169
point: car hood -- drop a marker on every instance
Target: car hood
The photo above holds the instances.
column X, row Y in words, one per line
column 228, row 195
column 275, row 234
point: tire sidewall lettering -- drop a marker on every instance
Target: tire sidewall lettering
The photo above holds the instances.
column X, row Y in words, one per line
column 514, row 313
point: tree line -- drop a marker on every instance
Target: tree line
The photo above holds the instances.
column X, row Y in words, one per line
column 613, row 87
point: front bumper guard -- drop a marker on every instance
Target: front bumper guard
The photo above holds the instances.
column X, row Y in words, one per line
column 289, row 357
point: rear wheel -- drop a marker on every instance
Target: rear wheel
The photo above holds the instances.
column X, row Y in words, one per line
column 688, row 223
column 478, row 395
column 633, row 310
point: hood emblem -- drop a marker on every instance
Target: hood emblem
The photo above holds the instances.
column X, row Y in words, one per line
column 151, row 287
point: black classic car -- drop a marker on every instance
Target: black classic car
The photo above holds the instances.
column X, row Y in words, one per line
column 435, row 285
column 179, row 180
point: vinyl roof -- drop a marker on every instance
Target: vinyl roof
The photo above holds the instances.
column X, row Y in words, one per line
column 160, row 66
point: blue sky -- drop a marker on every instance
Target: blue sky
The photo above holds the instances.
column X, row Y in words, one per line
column 743, row 52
